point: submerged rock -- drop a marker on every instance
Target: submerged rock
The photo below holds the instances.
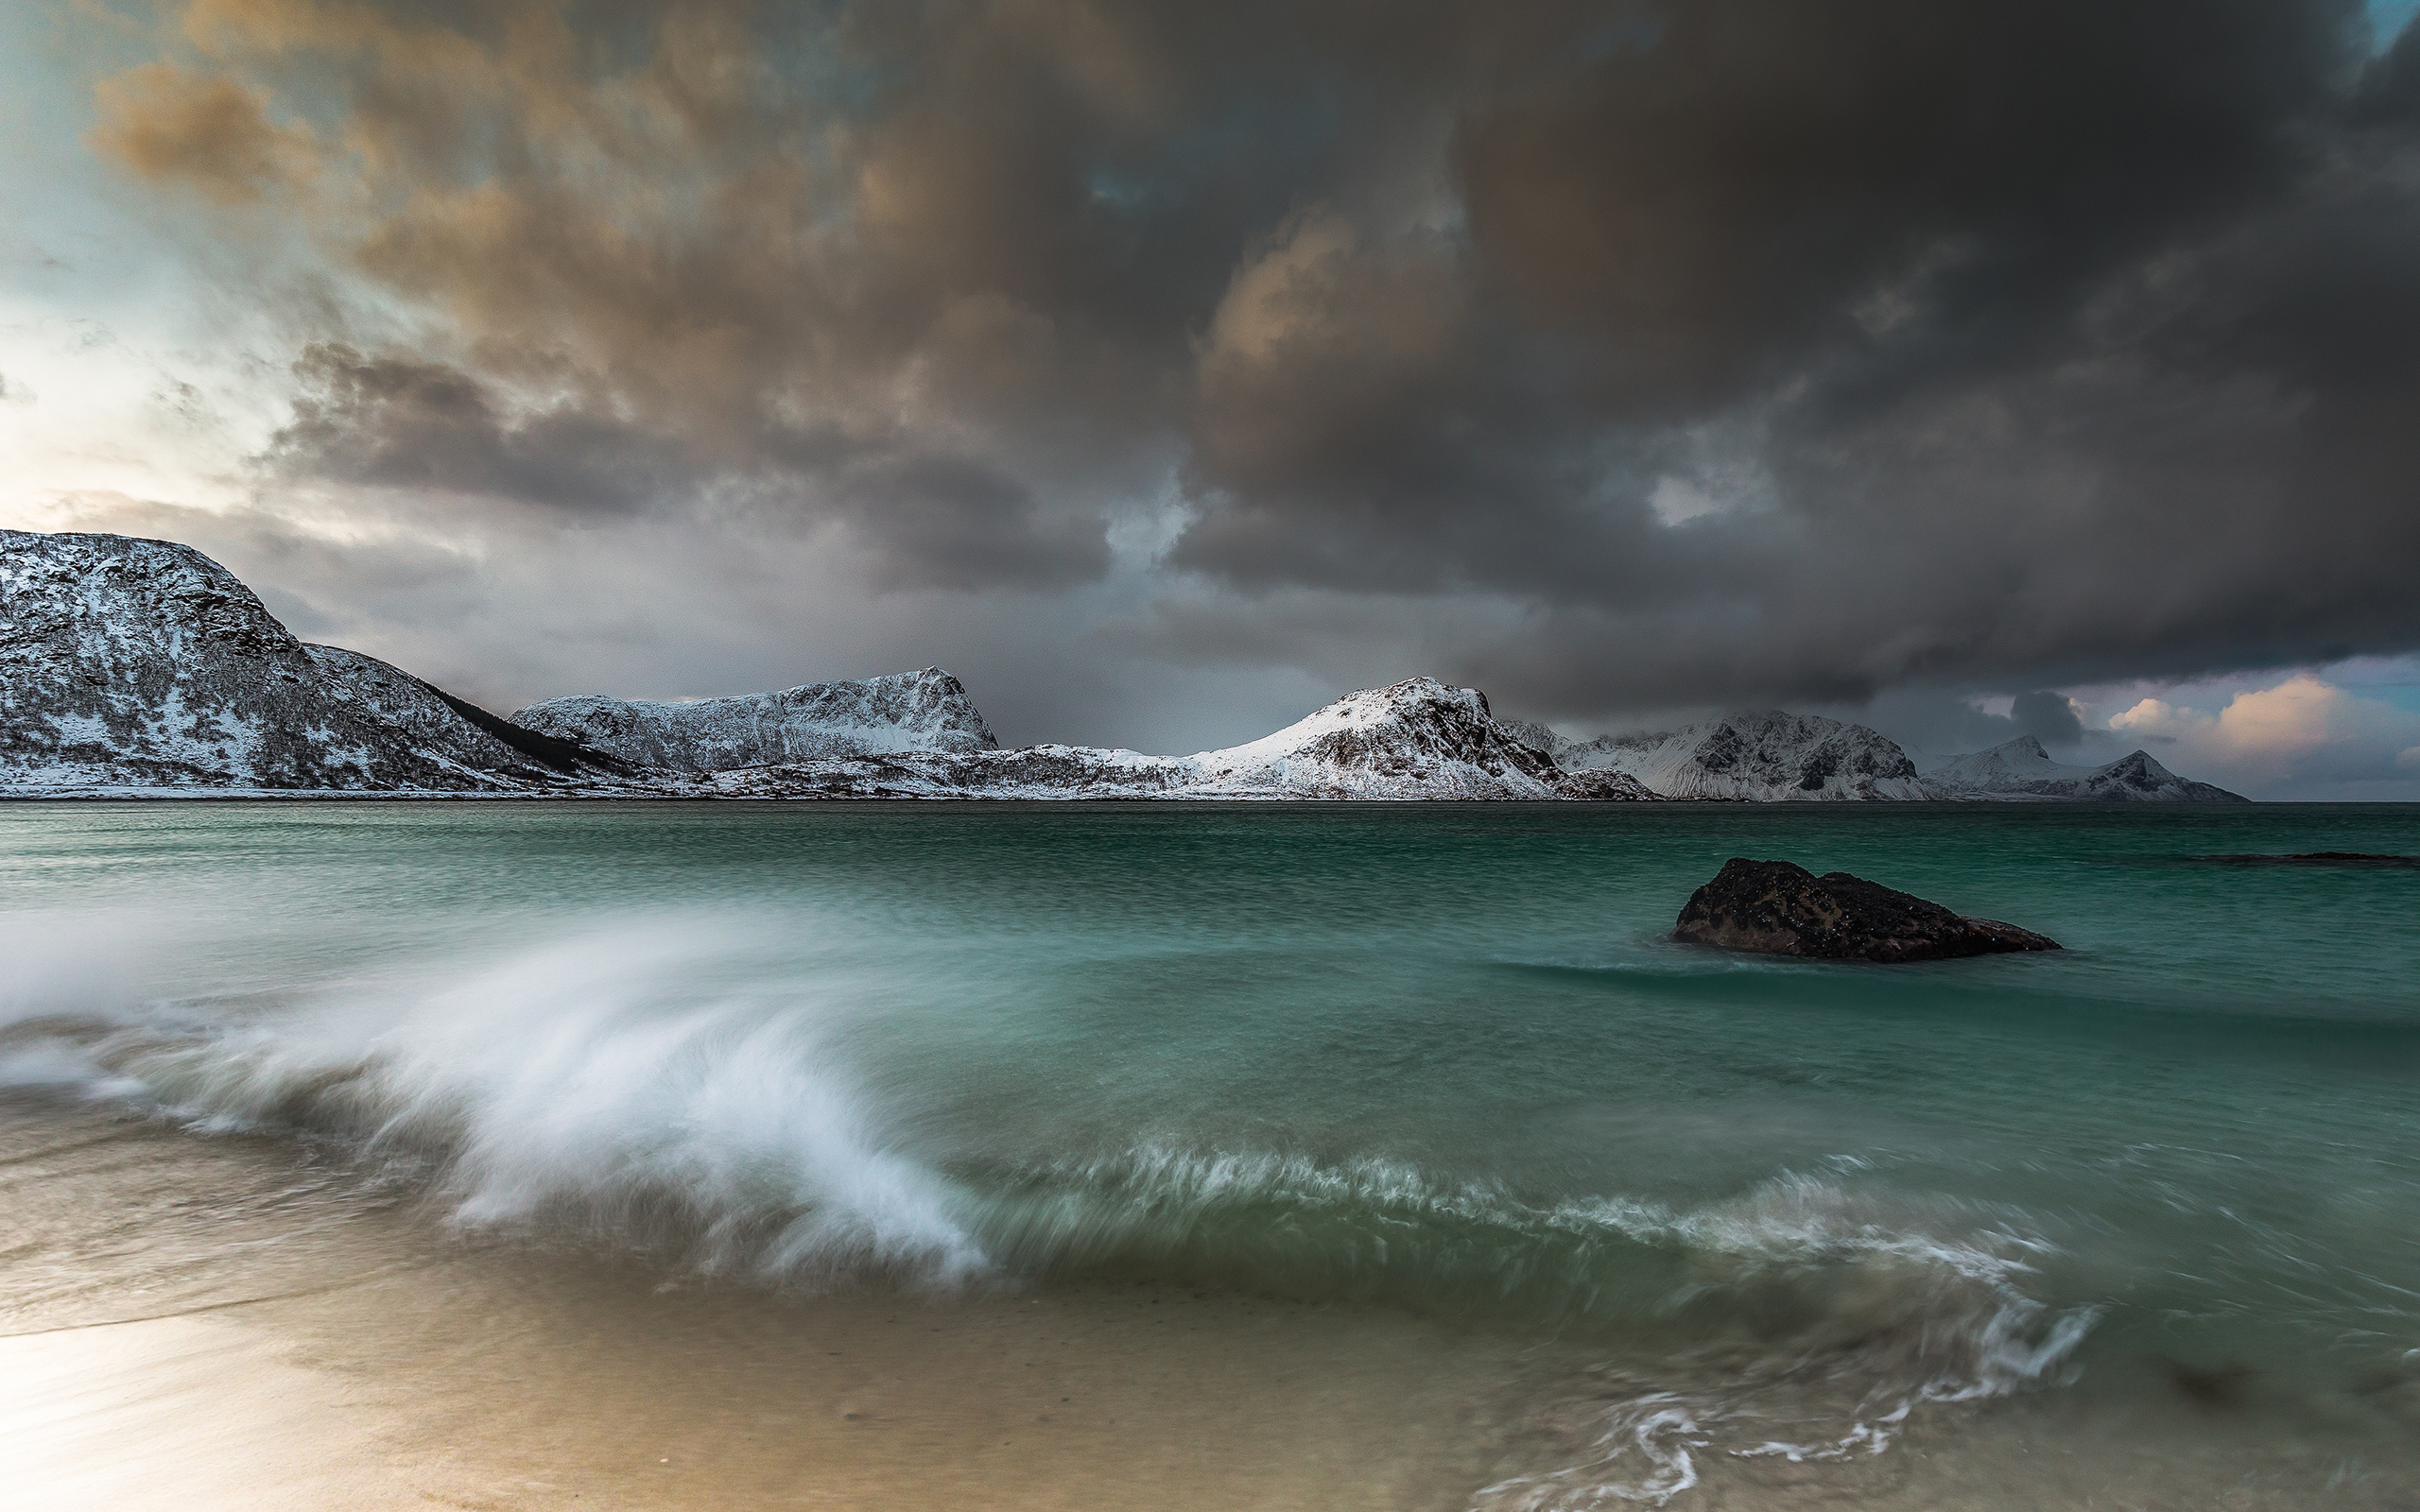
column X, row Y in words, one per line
column 2311, row 858
column 1776, row 908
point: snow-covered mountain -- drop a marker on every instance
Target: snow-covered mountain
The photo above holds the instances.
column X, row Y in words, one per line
column 1418, row 739
column 2021, row 769
column 130, row 665
column 142, row 666
column 138, row 665
column 917, row 734
column 903, row 713
column 1762, row 758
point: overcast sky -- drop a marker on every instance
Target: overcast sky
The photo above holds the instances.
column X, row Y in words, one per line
column 1165, row 370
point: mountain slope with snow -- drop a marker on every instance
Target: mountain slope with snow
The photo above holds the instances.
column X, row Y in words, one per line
column 899, row 713
column 2021, row 770
column 1416, row 738
column 1763, row 758
column 132, row 664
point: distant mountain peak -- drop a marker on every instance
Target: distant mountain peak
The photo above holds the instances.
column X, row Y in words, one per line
column 1760, row 755
column 2020, row 769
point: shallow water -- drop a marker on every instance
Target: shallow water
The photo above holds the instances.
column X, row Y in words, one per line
column 1681, row 1226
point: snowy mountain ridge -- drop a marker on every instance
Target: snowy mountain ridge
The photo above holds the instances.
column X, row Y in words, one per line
column 2021, row 770
column 1759, row 757
column 903, row 712
column 143, row 667
column 1414, row 740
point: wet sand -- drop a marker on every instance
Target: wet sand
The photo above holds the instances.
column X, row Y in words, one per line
column 277, row 1341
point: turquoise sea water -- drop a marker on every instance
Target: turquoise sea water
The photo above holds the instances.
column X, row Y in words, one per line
column 1435, row 1058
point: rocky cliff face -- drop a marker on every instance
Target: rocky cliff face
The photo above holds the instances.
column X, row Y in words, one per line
column 2021, row 769
column 905, row 712
column 1757, row 757
column 129, row 665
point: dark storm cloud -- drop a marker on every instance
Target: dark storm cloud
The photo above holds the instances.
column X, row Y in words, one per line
column 1728, row 350
column 397, row 422
column 1716, row 206
column 932, row 520
column 2048, row 717
column 2081, row 340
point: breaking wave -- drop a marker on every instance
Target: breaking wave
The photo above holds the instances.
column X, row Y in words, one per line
column 602, row 1082
column 624, row 1084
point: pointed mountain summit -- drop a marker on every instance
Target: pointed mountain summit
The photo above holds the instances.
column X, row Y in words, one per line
column 1419, row 737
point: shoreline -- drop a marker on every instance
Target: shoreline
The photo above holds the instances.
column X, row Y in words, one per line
column 341, row 1352
column 346, row 1348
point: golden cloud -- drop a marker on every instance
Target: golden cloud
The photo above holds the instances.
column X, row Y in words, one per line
column 168, row 124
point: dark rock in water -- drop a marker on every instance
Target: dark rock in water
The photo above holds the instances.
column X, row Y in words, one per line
column 1780, row 909
column 2311, row 858
column 2219, row 1385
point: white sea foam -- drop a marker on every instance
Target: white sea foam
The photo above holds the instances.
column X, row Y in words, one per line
column 1905, row 1302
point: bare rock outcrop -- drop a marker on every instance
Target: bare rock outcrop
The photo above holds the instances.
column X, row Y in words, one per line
column 1777, row 908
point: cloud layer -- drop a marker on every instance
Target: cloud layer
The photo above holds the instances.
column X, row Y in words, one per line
column 1614, row 358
